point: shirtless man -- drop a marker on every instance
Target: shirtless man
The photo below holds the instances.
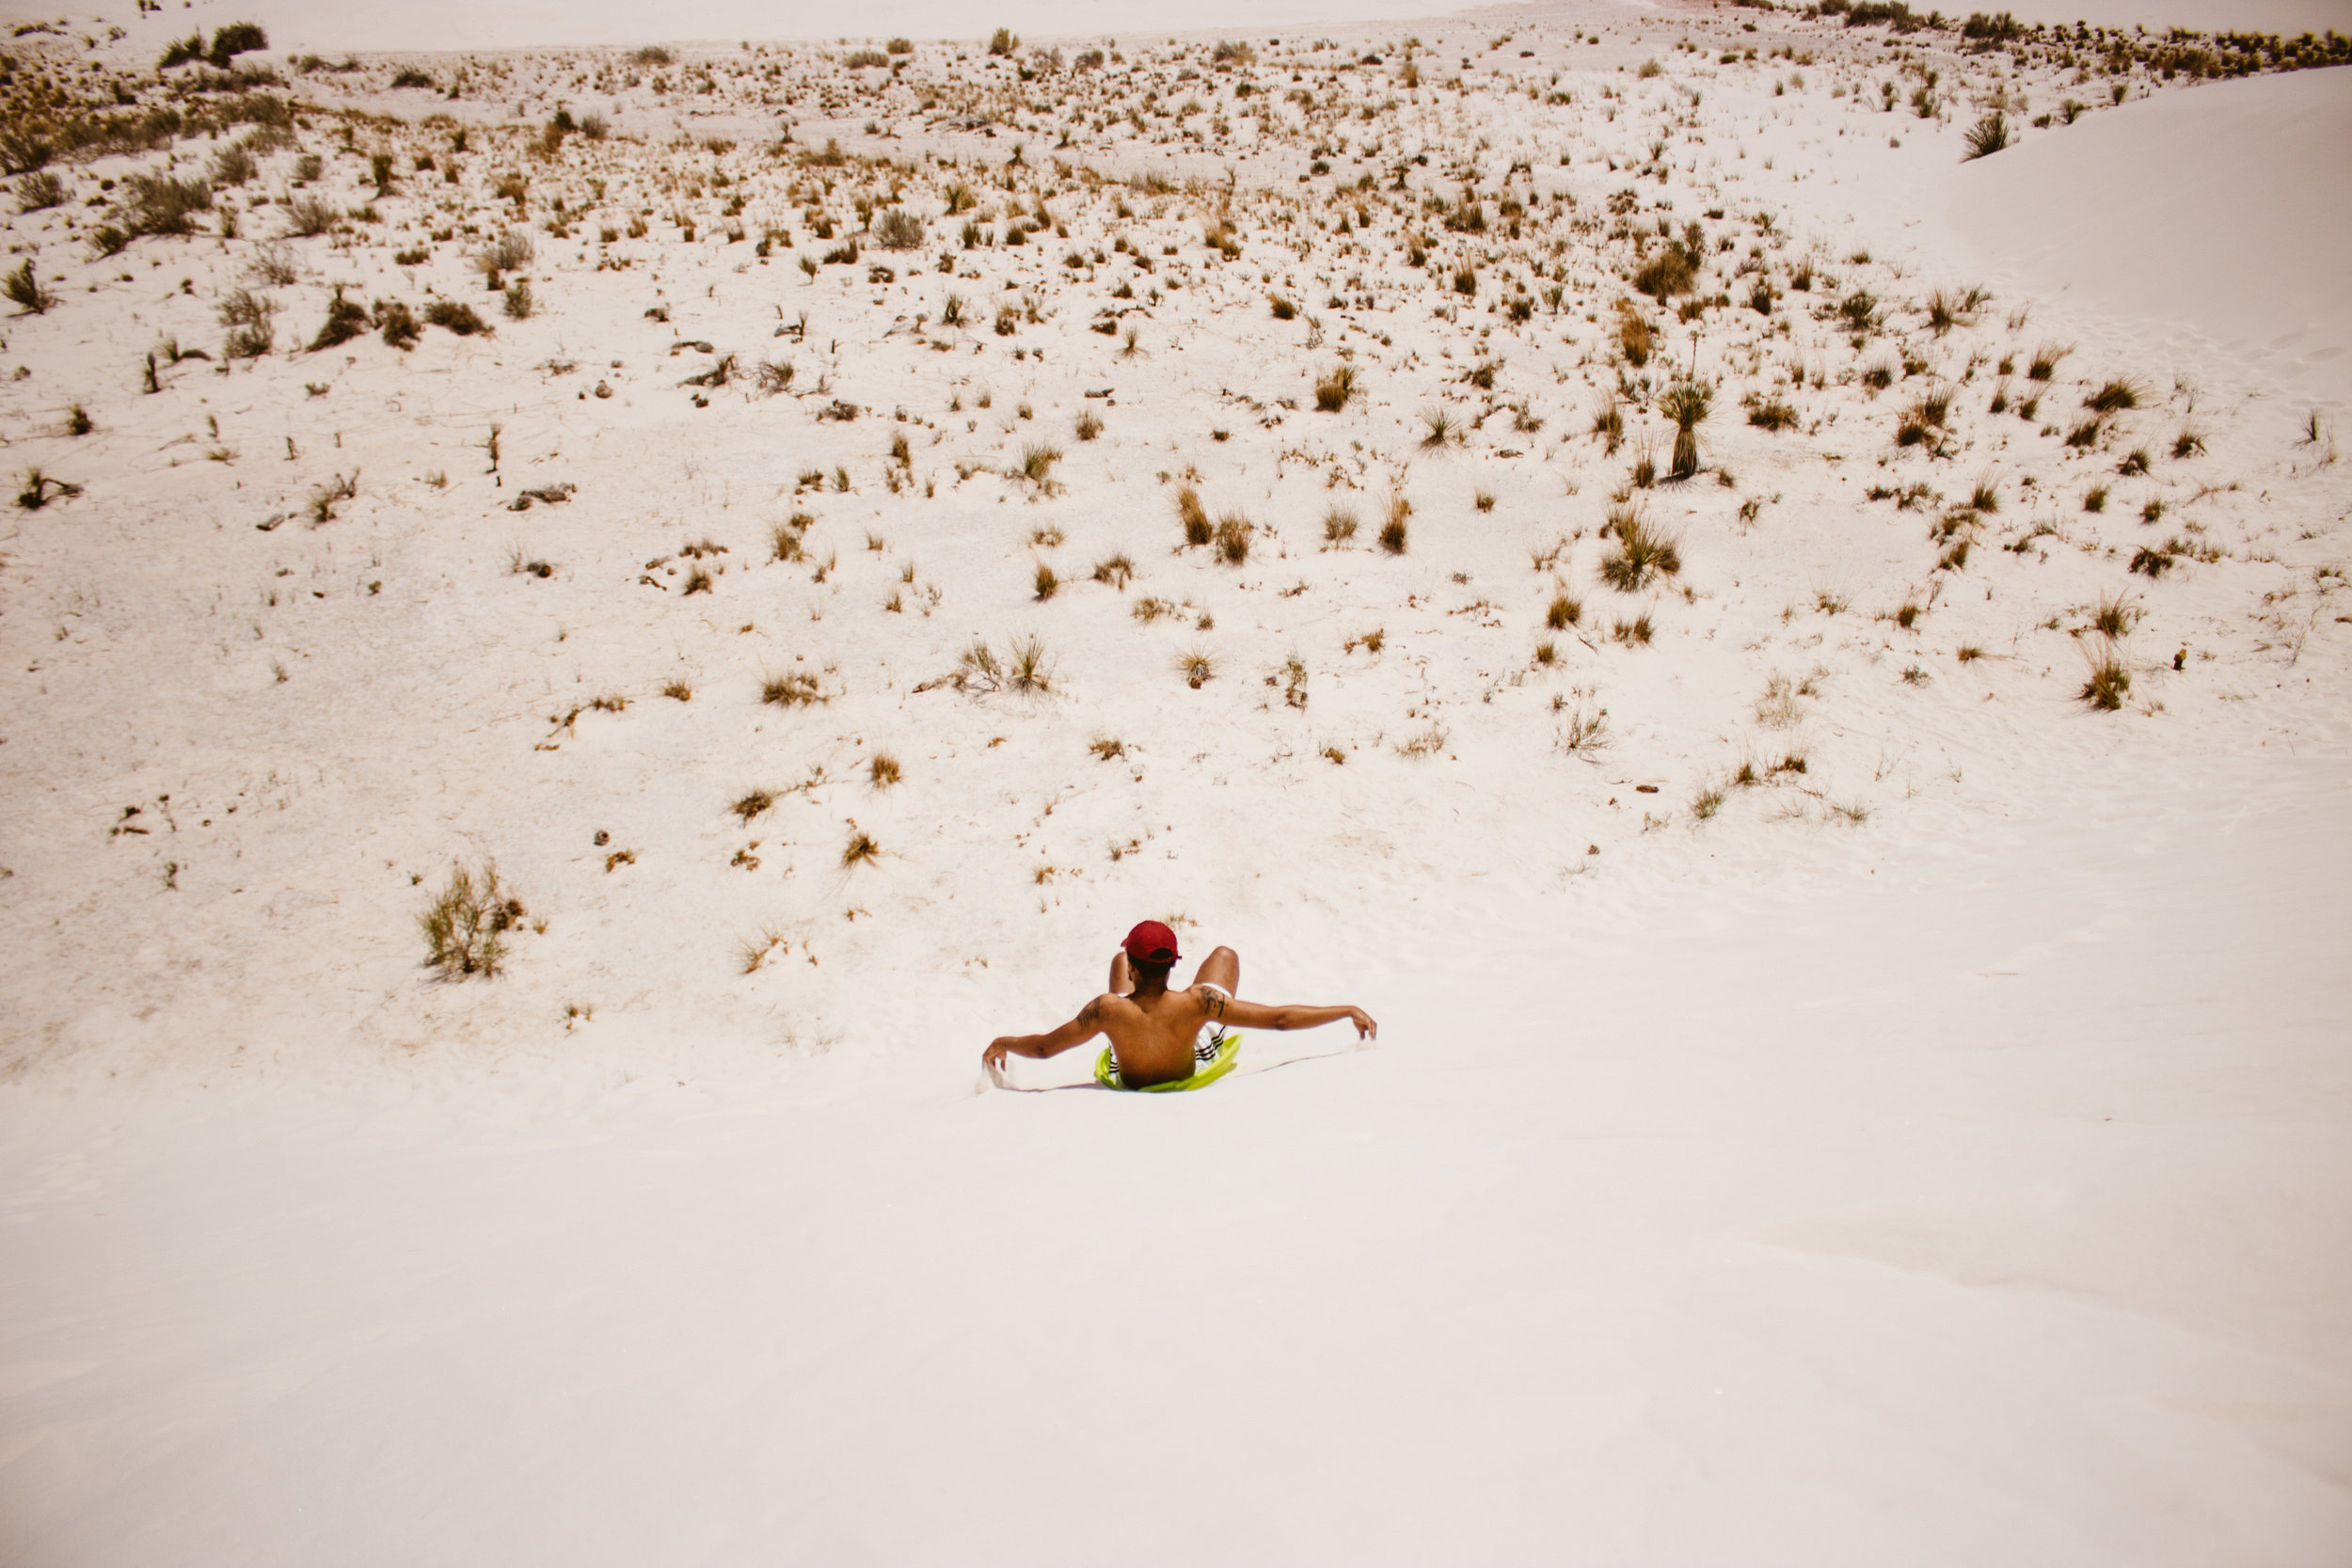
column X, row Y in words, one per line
column 1159, row 1035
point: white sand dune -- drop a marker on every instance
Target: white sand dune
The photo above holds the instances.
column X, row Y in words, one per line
column 2197, row 208
column 1867, row 1105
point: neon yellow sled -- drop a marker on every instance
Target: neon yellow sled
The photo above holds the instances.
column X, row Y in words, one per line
column 1217, row 1066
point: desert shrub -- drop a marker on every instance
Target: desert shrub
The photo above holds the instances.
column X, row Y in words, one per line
column 344, row 321
column 516, row 300
column 24, row 288
column 1002, row 42
column 466, row 924
column 410, row 76
column 1339, row 526
column 399, row 324
column 2045, row 359
column 39, row 191
column 457, row 317
column 22, row 150
column 232, row 166
column 235, row 39
column 1393, row 532
column 1771, row 414
column 1197, row 666
column 1088, row 425
column 307, row 217
column 898, row 230
column 246, row 315
column 1671, row 271
column 509, row 252
column 159, row 204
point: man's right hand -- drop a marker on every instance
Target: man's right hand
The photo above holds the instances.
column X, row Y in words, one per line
column 1365, row 1028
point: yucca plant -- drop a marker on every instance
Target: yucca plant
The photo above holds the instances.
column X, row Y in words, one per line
column 1686, row 402
column 1987, row 136
column 1643, row 553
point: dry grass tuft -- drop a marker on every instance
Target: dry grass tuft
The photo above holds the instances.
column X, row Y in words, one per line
column 1232, row 538
column 1333, row 391
column 1198, row 529
column 2108, row 682
column 790, row 689
column 1392, row 534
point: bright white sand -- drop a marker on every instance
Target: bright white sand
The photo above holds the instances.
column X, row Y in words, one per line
column 1965, row 1183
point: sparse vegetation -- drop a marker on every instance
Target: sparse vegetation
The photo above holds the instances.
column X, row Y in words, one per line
column 24, row 288
column 466, row 924
column 1987, row 136
column 1641, row 553
column 791, row 688
column 2108, row 682
column 1392, row 532
column 1198, row 529
column 1686, row 404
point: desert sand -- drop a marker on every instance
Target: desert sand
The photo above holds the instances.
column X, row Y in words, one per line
column 1852, row 879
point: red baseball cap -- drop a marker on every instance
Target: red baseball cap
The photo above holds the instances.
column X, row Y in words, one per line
column 1151, row 942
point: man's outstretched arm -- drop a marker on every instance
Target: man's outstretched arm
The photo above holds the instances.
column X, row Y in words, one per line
column 1257, row 1015
column 1079, row 1030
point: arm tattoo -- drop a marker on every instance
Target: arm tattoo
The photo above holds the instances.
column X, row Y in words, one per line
column 1215, row 1002
column 1091, row 1014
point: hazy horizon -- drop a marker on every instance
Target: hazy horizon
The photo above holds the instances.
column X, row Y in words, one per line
column 445, row 24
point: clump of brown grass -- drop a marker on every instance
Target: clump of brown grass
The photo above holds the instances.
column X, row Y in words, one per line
column 1643, row 552
column 1198, row 529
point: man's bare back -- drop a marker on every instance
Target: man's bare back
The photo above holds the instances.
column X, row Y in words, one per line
column 1155, row 1031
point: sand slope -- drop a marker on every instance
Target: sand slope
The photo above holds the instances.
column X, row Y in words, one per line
column 2198, row 209
column 1841, row 1096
